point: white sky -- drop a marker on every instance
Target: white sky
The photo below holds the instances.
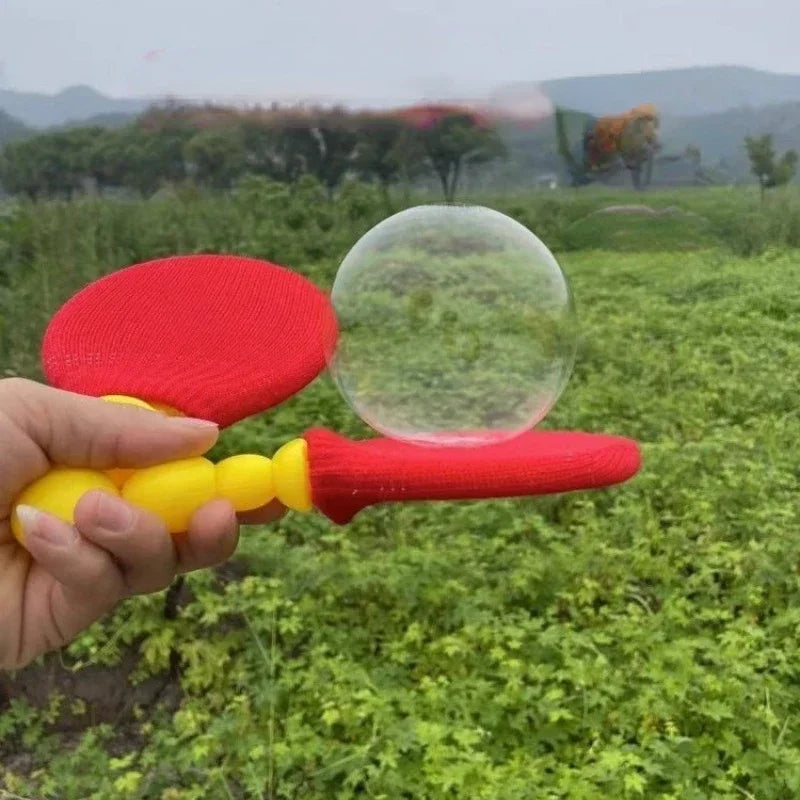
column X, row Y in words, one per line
column 367, row 49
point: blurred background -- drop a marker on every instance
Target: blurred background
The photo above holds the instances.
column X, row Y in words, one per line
column 209, row 94
column 640, row 642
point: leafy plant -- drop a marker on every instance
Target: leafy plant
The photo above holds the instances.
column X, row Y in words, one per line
column 770, row 170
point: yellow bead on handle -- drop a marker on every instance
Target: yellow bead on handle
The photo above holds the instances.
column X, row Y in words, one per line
column 58, row 493
column 291, row 475
column 59, row 490
column 174, row 491
column 246, row 481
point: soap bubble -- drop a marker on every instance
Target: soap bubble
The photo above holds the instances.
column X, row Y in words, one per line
column 456, row 326
column 640, row 228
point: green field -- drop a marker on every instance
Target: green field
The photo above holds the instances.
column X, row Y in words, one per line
column 640, row 642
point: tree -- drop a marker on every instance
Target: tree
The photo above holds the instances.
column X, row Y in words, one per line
column 56, row 163
column 769, row 170
column 380, row 149
column 452, row 139
column 20, row 172
column 694, row 154
column 216, row 157
column 141, row 158
column 279, row 146
column 638, row 143
column 336, row 139
column 629, row 140
column 576, row 167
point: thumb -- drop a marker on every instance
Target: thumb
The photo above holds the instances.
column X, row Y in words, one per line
column 73, row 430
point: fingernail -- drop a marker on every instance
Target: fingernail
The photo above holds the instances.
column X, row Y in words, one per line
column 193, row 422
column 112, row 514
column 46, row 527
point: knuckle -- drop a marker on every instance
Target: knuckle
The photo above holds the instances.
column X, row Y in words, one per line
column 105, row 449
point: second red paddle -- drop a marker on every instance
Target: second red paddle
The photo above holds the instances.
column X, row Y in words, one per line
column 347, row 476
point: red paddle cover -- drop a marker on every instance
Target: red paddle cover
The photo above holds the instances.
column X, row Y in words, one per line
column 217, row 337
column 347, row 476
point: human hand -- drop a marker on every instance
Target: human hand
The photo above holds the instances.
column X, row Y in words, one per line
column 66, row 577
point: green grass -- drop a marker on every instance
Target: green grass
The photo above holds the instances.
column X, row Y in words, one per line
column 640, row 642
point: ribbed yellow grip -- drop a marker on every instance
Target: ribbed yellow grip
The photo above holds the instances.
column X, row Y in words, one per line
column 175, row 490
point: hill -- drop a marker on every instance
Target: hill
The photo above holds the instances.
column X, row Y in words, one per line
column 720, row 136
column 76, row 103
column 681, row 92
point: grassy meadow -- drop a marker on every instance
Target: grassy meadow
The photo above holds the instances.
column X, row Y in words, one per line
column 640, row 642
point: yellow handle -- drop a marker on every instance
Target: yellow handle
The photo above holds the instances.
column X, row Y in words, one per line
column 175, row 490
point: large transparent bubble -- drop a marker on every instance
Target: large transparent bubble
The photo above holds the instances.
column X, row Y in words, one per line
column 456, row 327
column 640, row 228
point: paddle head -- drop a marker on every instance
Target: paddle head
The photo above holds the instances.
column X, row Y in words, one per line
column 214, row 336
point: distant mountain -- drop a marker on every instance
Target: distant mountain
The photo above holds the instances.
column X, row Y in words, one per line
column 11, row 128
column 680, row 92
column 694, row 91
column 720, row 137
column 75, row 104
column 711, row 108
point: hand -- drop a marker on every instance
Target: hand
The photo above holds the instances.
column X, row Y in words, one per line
column 66, row 577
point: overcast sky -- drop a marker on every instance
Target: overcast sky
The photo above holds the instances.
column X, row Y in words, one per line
column 367, row 49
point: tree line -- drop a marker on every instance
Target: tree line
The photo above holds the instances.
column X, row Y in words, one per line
column 214, row 146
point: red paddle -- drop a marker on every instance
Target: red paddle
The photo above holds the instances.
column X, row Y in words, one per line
column 348, row 476
column 225, row 337
column 217, row 337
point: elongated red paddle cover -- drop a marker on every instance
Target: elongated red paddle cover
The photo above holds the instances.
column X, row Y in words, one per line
column 347, row 476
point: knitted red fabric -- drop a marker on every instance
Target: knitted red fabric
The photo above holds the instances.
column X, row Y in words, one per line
column 347, row 476
column 217, row 337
